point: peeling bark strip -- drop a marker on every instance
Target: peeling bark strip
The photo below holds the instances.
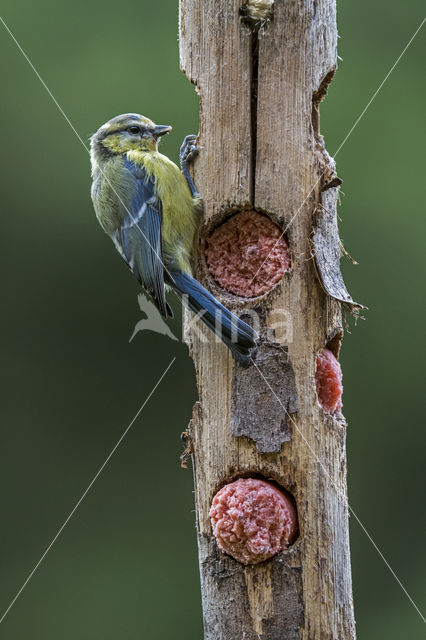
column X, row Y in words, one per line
column 260, row 86
column 326, row 251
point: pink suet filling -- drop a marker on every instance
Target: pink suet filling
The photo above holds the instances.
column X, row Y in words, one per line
column 247, row 254
column 253, row 520
column 328, row 378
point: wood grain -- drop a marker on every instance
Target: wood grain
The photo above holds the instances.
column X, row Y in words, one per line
column 260, row 146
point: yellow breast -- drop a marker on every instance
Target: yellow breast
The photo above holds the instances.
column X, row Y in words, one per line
column 179, row 207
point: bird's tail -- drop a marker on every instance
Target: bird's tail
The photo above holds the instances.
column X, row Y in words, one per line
column 238, row 336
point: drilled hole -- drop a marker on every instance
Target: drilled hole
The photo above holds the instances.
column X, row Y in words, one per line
column 247, row 254
column 328, row 380
column 253, row 519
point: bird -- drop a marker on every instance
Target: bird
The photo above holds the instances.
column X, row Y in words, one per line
column 150, row 209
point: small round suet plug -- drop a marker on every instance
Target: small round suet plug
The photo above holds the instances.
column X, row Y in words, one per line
column 248, row 254
column 253, row 520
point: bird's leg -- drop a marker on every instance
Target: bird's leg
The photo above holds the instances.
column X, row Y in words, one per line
column 187, row 154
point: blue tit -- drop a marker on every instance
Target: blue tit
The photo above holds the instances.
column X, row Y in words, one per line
column 150, row 209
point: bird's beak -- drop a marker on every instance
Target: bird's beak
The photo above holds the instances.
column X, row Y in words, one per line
column 161, row 130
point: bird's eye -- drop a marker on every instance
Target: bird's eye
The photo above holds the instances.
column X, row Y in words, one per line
column 133, row 129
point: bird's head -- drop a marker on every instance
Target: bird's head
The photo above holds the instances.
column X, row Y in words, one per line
column 127, row 132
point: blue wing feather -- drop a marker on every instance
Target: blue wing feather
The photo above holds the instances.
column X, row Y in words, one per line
column 235, row 333
column 139, row 236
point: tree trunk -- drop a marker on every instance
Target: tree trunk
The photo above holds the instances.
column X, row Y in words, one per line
column 260, row 84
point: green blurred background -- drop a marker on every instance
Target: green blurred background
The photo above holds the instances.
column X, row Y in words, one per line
column 126, row 564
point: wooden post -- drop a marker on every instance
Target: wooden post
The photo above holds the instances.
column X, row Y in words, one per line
column 260, row 84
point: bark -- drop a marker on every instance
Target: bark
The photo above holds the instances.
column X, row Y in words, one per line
column 260, row 147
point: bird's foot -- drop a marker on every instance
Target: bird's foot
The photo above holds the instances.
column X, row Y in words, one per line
column 188, row 151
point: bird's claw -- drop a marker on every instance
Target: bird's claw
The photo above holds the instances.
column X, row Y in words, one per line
column 188, row 150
